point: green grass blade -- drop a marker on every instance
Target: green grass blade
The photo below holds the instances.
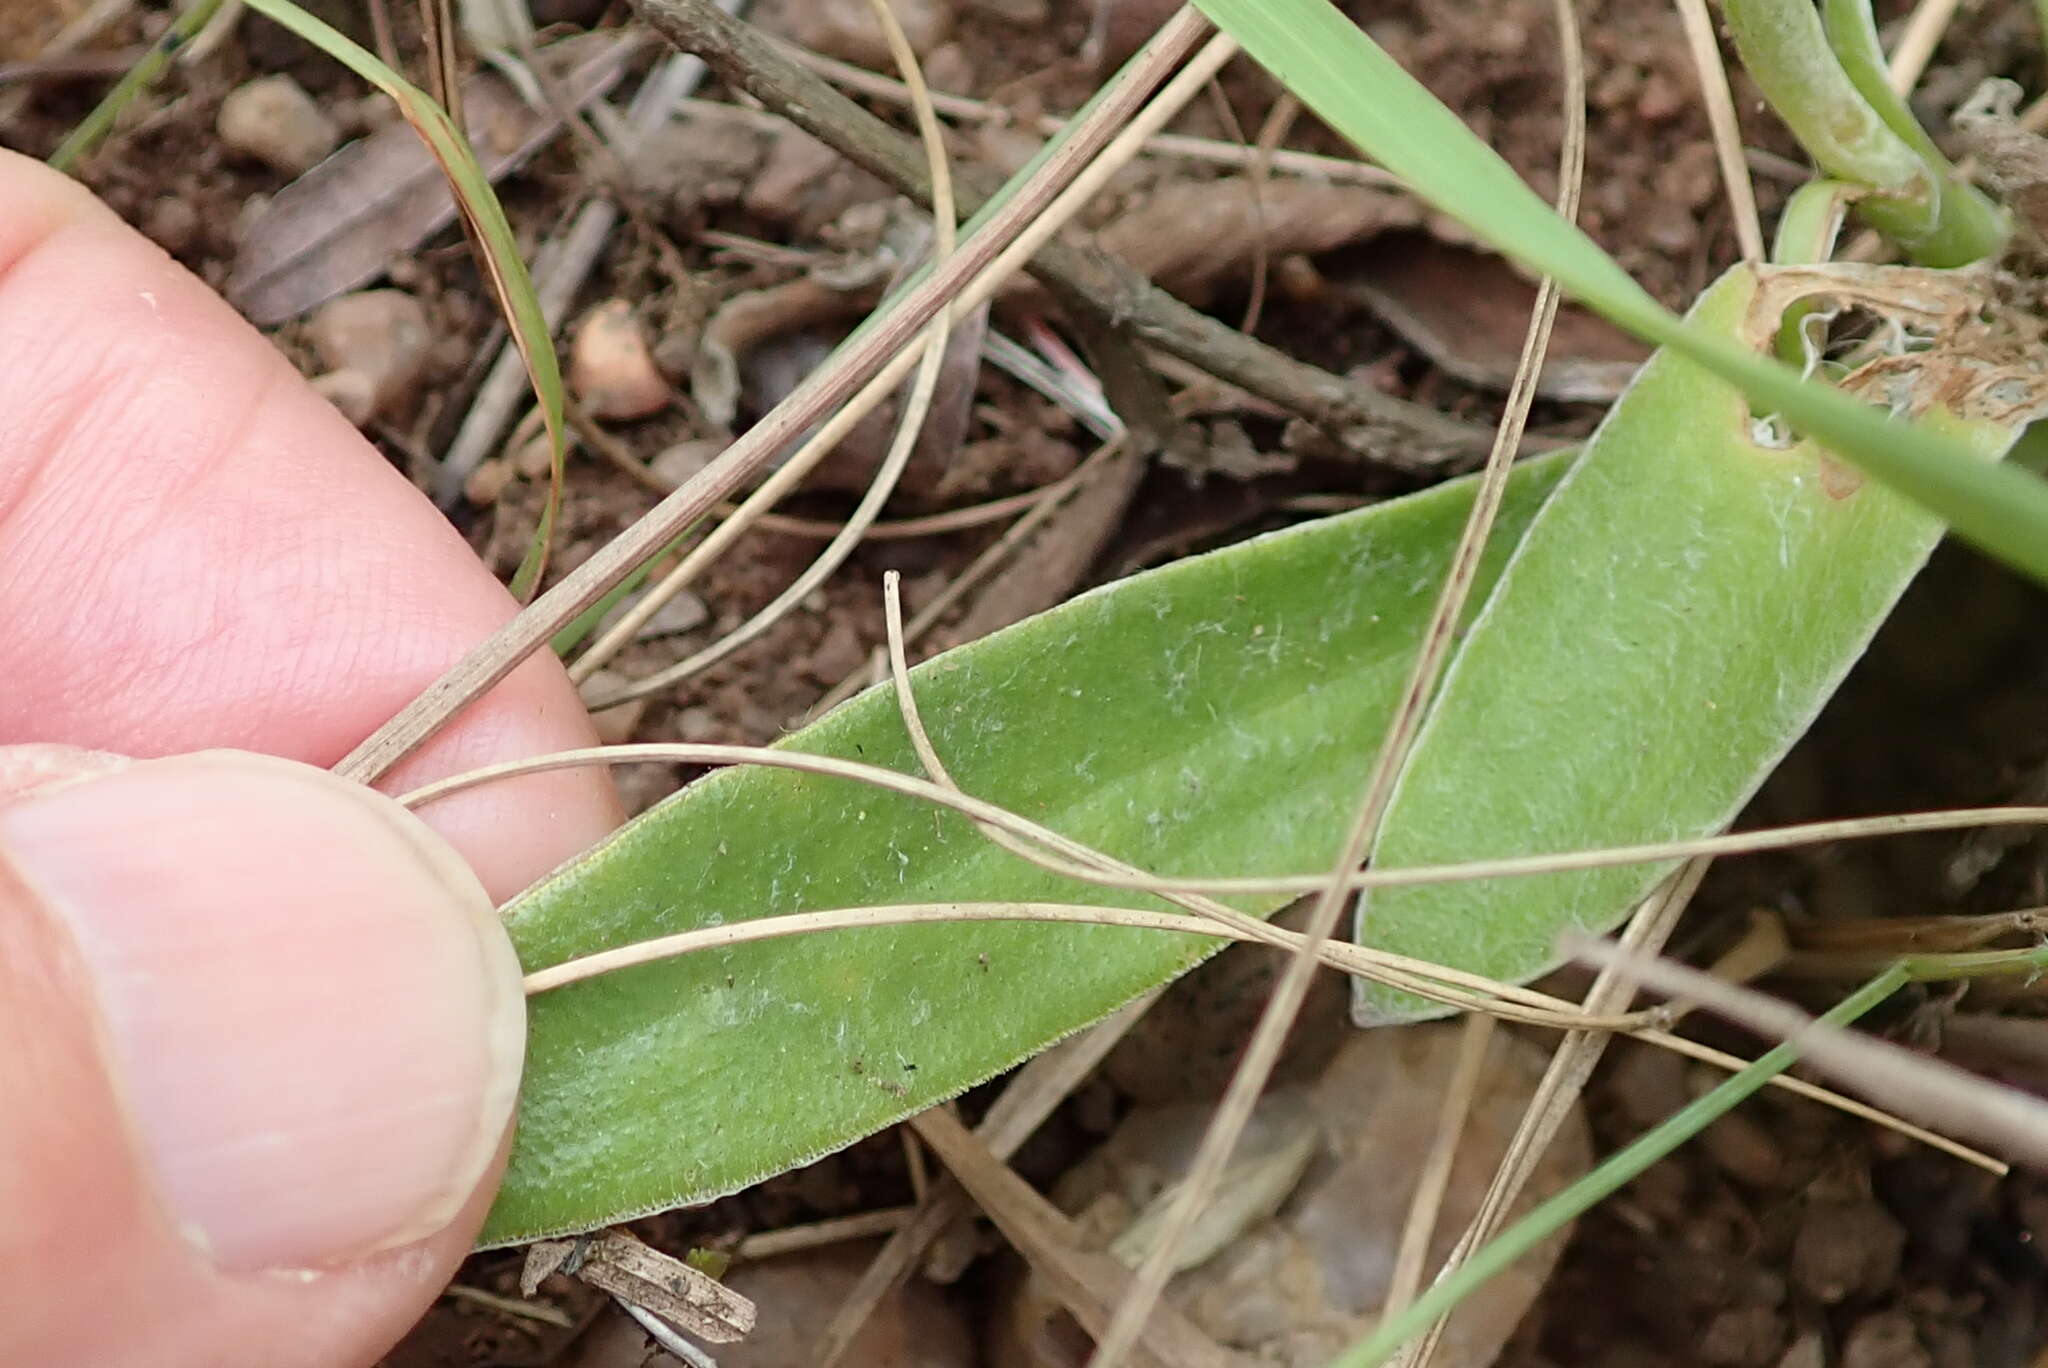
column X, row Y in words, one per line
column 492, row 234
column 1362, row 93
column 139, row 77
column 1206, row 716
column 1619, row 1169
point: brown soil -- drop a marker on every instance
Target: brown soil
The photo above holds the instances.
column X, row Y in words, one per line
column 1786, row 1236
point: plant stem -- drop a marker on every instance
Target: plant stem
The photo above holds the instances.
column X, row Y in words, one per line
column 1620, row 1169
column 1970, row 224
column 1837, row 103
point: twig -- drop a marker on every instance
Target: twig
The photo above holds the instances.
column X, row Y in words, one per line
column 1406, row 436
column 1909, row 1083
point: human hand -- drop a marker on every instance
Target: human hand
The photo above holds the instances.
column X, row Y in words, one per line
column 260, row 1032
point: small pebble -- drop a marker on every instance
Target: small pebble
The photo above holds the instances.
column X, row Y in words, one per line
column 611, row 370
column 275, row 121
column 677, row 464
column 1742, row 1335
column 535, row 457
column 1846, row 1248
column 171, row 222
column 683, row 613
column 1737, row 1142
column 351, row 391
column 615, row 726
column 1885, row 1340
column 381, row 336
column 487, row 482
column 839, row 654
column 846, row 29
column 913, row 1327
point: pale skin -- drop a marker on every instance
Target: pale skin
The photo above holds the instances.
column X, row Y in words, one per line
column 197, row 552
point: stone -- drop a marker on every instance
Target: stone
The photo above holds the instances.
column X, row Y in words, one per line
column 615, row 726
column 680, row 462
column 1846, row 1248
column 913, row 1327
column 380, row 339
column 847, row 29
column 275, row 121
column 611, row 370
column 1886, row 1339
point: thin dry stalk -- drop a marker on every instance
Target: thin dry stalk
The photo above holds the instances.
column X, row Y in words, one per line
column 1177, row 92
column 1510, row 1002
column 1411, row 1257
column 770, row 1244
column 982, row 260
column 1270, row 1035
column 1728, row 150
column 1064, row 206
column 1340, row 170
column 1917, row 44
column 1514, row 866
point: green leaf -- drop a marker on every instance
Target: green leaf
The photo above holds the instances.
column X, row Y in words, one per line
column 1357, row 89
column 1671, row 623
column 1210, row 716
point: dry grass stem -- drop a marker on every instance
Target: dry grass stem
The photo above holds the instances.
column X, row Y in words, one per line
column 1411, row 1256
column 1069, row 202
column 1930, row 20
column 1720, row 103
column 1339, row 170
column 979, row 569
column 1516, row 866
column 1086, row 1283
column 770, row 1244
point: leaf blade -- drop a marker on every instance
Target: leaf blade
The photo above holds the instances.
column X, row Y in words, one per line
column 1222, row 704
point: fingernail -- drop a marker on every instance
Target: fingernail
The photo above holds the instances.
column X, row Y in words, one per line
column 312, row 1015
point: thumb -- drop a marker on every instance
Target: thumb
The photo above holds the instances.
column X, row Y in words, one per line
column 260, row 1039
